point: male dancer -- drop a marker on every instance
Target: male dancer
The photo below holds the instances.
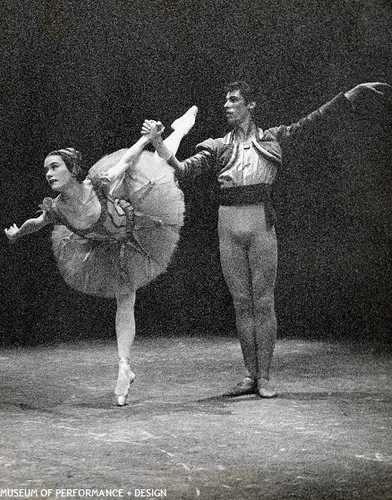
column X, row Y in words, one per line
column 245, row 162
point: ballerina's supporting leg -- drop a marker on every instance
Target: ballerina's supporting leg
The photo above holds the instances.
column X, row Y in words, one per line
column 181, row 128
column 125, row 331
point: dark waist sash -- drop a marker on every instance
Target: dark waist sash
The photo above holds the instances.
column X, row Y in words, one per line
column 256, row 194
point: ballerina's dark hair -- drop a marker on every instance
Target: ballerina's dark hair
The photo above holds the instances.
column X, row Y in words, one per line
column 73, row 161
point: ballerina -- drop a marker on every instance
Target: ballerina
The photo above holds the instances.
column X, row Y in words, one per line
column 116, row 230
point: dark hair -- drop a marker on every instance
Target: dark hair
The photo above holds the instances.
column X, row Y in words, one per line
column 72, row 160
column 246, row 91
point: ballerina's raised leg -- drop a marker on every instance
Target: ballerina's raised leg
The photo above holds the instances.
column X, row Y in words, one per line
column 181, row 127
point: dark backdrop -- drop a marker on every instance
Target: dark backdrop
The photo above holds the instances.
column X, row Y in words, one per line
column 87, row 73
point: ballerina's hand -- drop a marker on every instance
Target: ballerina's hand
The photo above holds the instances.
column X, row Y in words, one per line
column 12, row 232
column 152, row 129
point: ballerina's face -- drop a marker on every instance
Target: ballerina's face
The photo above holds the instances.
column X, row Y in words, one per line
column 57, row 173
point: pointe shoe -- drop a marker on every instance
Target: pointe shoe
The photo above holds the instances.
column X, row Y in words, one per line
column 265, row 389
column 124, row 380
column 246, row 386
column 185, row 122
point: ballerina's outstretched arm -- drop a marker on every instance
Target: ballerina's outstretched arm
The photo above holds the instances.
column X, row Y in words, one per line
column 29, row 226
column 127, row 160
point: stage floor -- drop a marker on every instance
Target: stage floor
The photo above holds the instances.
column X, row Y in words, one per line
column 327, row 435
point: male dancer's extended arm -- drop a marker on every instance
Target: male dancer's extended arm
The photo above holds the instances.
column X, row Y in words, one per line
column 364, row 95
column 192, row 166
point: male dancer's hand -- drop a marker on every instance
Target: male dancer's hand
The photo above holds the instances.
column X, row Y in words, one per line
column 152, row 129
column 372, row 96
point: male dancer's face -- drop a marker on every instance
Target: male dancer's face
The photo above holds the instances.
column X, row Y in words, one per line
column 236, row 109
